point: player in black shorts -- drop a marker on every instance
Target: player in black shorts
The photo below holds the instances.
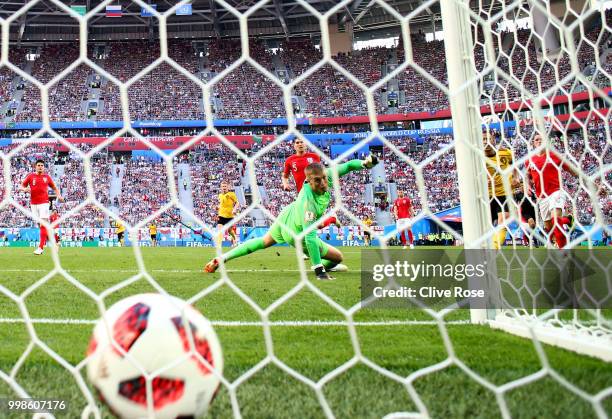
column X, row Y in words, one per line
column 223, row 220
column 527, row 213
column 498, row 204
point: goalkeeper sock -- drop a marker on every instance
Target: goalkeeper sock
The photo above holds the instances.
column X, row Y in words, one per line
column 245, row 248
column 328, row 264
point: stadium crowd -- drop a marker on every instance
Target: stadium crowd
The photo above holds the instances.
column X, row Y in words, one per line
column 328, row 92
column 440, row 175
column 144, row 182
column 246, row 93
column 144, row 189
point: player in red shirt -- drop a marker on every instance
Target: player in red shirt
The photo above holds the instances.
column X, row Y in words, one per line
column 37, row 184
column 544, row 172
column 403, row 212
column 296, row 163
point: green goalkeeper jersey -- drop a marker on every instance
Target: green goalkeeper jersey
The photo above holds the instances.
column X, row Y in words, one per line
column 308, row 208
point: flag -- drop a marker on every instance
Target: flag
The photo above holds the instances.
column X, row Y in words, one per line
column 113, row 10
column 145, row 13
column 184, row 10
column 79, row 9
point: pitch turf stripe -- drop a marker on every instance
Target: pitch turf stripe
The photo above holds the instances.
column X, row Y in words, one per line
column 288, row 323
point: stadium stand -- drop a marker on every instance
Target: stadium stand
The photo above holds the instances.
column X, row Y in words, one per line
column 246, row 93
column 144, row 190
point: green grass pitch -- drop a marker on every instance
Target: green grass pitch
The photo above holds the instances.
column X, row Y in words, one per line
column 311, row 350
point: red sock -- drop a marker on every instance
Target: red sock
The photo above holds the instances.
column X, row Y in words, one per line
column 559, row 237
column 403, row 238
column 410, row 236
column 43, row 237
column 328, row 221
column 563, row 221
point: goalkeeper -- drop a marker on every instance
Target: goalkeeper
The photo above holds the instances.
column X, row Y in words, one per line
column 306, row 210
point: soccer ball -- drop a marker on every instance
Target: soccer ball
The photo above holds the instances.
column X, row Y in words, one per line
column 148, row 331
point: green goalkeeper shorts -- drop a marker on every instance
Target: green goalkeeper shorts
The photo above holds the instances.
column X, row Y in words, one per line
column 282, row 235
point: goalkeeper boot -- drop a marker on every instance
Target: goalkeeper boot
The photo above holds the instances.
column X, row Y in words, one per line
column 325, row 277
column 38, row 251
column 212, row 266
column 338, row 268
column 321, row 274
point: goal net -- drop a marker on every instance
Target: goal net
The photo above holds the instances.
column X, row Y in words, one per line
column 509, row 71
column 536, row 57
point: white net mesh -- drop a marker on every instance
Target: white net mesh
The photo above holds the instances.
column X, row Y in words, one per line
column 513, row 71
column 555, row 59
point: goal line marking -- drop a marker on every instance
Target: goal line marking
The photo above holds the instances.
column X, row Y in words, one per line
column 282, row 323
column 195, row 271
column 151, row 270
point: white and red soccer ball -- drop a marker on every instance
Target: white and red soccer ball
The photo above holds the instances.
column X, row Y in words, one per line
column 149, row 327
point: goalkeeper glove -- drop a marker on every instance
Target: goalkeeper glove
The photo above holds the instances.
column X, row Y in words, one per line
column 321, row 274
column 370, row 161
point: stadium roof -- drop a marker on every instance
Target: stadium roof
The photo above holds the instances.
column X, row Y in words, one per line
column 45, row 21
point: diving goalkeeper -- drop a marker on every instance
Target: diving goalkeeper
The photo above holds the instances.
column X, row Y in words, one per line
column 306, row 210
